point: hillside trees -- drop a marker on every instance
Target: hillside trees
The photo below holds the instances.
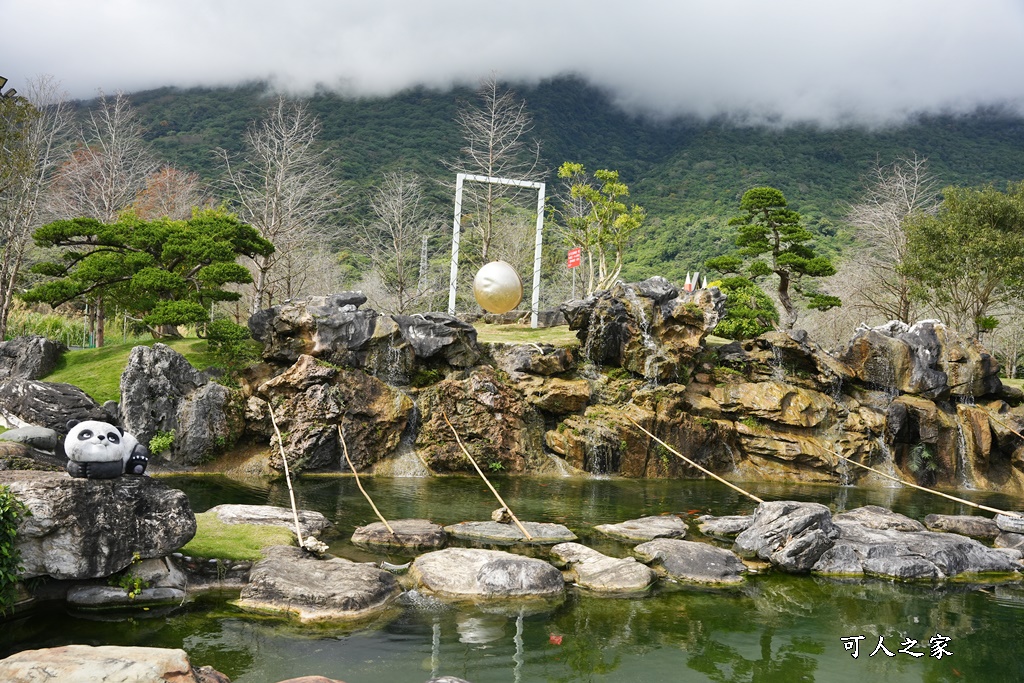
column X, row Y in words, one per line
column 773, row 241
column 895, row 193
column 283, row 186
column 23, row 200
column 496, row 144
column 166, row 272
column 967, row 259
column 595, row 218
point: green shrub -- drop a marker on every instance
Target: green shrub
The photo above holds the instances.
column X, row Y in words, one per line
column 12, row 511
column 161, row 441
column 231, row 344
column 749, row 312
column 127, row 580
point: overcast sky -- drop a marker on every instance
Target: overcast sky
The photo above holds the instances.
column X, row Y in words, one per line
column 824, row 60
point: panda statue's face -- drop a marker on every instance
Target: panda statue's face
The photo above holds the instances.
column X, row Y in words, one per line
column 93, row 441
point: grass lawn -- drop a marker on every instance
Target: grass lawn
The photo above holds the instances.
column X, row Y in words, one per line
column 523, row 334
column 98, row 371
column 215, row 539
column 1019, row 383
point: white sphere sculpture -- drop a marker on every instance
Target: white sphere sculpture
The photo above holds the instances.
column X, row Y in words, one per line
column 497, row 287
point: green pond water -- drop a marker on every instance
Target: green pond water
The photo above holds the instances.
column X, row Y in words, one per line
column 774, row 628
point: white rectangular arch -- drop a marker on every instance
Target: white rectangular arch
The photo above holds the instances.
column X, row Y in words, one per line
column 460, row 179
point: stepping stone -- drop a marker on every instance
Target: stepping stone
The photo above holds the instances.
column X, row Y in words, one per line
column 1009, row 540
column 1010, row 523
column 597, row 572
column 312, row 523
column 727, row 525
column 418, row 534
column 645, row 528
column 790, row 534
column 475, row 573
column 495, row 532
column 972, row 526
column 878, row 517
column 290, row 580
column 692, row 562
column 96, row 597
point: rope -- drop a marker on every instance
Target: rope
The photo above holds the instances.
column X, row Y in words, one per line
column 287, row 476
column 344, row 447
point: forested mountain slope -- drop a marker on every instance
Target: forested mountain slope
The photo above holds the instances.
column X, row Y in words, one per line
column 689, row 174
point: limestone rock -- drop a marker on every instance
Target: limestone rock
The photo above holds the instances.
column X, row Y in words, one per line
column 645, row 528
column 878, row 517
column 908, row 555
column 776, row 401
column 90, row 528
column 41, row 438
column 727, row 525
column 105, row 664
column 1006, row 539
column 289, row 580
column 496, row 532
column 558, row 396
column 789, row 534
column 439, row 335
column 328, row 327
column 100, row 597
column 29, row 357
column 485, row 574
column 418, row 534
column 162, row 392
column 311, row 523
column 691, row 561
column 25, row 402
column 974, row 526
column 533, row 359
column 1013, row 524
column 598, row 572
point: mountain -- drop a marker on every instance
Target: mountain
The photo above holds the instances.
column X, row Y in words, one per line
column 688, row 173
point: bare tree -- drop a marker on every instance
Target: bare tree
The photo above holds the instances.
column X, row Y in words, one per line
column 395, row 239
column 895, row 192
column 497, row 144
column 23, row 203
column 170, row 193
column 283, row 186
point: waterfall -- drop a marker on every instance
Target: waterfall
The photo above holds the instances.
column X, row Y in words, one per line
column 888, row 464
column 778, row 371
column 560, row 467
column 842, row 468
column 964, row 470
column 406, row 462
column 653, row 358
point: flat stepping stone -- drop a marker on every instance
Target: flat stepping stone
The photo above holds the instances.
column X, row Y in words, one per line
column 645, row 528
column 418, row 534
column 878, row 517
column 692, row 562
column 290, row 580
column 496, row 532
column 474, row 573
column 1012, row 524
column 911, row 555
column 727, row 525
column 98, row 597
column 972, row 526
column 597, row 572
column 1009, row 540
column 312, row 523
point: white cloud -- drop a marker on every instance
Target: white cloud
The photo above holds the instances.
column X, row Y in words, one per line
column 871, row 60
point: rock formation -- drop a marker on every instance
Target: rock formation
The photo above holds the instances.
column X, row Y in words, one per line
column 32, row 357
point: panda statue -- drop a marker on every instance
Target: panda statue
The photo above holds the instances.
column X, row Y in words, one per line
column 99, row 450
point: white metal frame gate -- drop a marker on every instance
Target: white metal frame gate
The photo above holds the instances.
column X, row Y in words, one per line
column 460, row 179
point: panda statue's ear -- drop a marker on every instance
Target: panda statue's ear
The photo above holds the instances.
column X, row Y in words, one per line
column 72, row 423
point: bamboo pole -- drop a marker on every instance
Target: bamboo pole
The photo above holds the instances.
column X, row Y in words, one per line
column 924, row 488
column 481, row 473
column 694, row 464
column 344, row 447
column 287, row 476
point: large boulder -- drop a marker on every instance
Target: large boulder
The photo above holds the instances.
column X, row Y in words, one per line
column 329, row 327
column 290, row 580
column 778, row 402
column 927, row 359
column 436, row 335
column 91, row 528
column 789, row 534
column 31, row 357
column 162, row 392
column 878, row 517
column 910, row 555
column 648, row 328
column 26, row 402
column 472, row 573
column 692, row 562
column 105, row 664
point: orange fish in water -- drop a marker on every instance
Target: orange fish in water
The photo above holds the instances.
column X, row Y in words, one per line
column 555, row 639
column 693, row 512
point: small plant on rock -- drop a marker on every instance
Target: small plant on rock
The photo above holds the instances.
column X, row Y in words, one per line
column 161, row 441
column 128, row 581
column 12, row 511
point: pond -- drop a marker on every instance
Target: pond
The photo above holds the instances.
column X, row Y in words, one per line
column 774, row 628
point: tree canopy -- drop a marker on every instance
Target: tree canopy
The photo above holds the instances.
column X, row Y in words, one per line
column 166, row 272
column 772, row 240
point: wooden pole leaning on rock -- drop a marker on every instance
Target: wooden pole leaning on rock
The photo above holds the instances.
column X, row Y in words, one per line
column 924, row 488
column 691, row 463
column 344, row 448
column 287, row 476
column 482, row 476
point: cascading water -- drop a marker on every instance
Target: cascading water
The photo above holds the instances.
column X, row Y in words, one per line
column 964, row 469
column 406, row 461
column 778, row 370
column 887, row 465
column 653, row 359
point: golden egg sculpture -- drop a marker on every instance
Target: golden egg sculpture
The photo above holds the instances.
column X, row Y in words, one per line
column 497, row 287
